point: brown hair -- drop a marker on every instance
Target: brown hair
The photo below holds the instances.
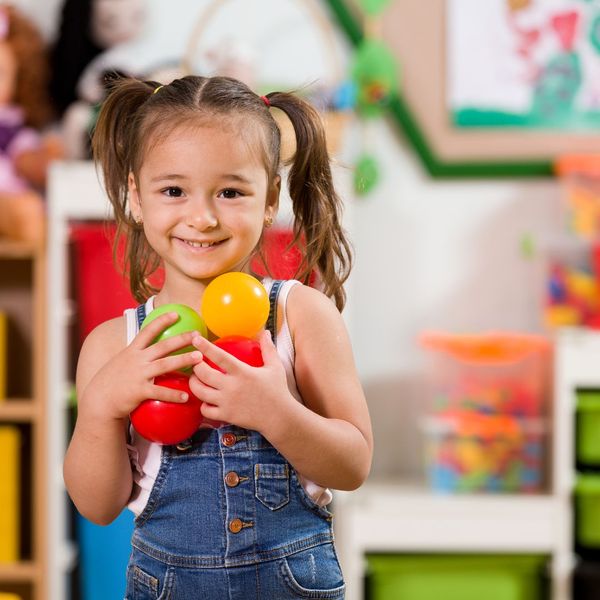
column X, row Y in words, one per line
column 32, row 67
column 135, row 112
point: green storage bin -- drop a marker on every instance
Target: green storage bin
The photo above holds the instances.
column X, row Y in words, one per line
column 456, row 577
column 588, row 427
column 587, row 507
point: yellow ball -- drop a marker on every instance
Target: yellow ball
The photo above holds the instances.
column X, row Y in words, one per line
column 235, row 304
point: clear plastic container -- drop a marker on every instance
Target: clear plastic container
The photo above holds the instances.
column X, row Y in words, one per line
column 579, row 175
column 493, row 373
column 470, row 452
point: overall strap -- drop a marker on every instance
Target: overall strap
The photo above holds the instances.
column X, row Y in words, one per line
column 140, row 313
column 273, row 296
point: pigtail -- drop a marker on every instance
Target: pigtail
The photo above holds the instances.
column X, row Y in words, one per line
column 316, row 205
column 114, row 151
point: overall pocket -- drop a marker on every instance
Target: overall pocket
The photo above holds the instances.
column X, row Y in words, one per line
column 313, row 573
column 272, row 484
column 148, row 579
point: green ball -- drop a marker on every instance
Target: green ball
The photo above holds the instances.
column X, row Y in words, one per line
column 189, row 320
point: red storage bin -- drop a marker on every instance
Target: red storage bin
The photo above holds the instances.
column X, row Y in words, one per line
column 101, row 292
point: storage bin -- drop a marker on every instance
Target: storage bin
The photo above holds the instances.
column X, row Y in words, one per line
column 587, row 438
column 587, row 510
column 456, row 577
column 572, row 283
column 10, row 493
column 586, row 581
column 471, row 452
column 579, row 175
column 493, row 373
column 3, row 355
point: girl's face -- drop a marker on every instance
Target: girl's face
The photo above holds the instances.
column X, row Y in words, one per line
column 203, row 197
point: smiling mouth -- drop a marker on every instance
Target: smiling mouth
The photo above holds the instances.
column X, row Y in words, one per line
column 193, row 244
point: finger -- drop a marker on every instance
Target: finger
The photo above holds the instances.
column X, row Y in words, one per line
column 268, row 348
column 170, row 345
column 218, row 356
column 203, row 391
column 211, row 412
column 165, row 394
column 147, row 335
column 175, row 363
column 208, row 375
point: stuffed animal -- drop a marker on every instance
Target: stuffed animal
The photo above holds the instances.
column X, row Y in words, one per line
column 90, row 36
column 24, row 111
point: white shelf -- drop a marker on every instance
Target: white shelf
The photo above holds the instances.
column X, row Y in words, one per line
column 407, row 518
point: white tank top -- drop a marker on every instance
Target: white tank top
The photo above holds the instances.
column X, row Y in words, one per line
column 145, row 456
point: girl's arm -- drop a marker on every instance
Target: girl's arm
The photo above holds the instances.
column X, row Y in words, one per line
column 97, row 472
column 328, row 439
column 112, row 380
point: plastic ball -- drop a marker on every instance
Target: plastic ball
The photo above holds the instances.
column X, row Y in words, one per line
column 235, row 304
column 242, row 348
column 168, row 422
column 189, row 320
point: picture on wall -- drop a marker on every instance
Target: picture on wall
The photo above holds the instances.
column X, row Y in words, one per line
column 524, row 64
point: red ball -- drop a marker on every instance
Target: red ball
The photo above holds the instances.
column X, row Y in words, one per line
column 168, row 422
column 242, row 348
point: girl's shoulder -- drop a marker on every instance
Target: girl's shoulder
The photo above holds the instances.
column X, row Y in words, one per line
column 106, row 339
column 103, row 343
column 309, row 310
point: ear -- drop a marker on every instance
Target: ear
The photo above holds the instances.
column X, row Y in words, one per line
column 272, row 205
column 135, row 205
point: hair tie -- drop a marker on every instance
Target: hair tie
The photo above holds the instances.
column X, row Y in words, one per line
column 266, row 101
column 158, row 88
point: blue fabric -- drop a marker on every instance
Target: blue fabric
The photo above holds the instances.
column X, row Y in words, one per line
column 186, row 543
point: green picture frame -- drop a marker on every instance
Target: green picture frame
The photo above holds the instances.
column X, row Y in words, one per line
column 408, row 124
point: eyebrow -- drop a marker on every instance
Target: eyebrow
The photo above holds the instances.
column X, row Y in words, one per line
column 175, row 177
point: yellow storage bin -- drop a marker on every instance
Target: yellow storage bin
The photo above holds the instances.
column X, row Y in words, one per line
column 7, row 596
column 10, row 442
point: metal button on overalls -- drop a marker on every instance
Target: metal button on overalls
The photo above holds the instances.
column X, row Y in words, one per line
column 235, row 525
column 232, row 479
column 228, row 439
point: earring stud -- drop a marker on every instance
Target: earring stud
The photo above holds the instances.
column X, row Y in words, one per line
column 268, row 221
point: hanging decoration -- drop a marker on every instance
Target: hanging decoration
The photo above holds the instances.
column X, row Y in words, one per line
column 374, row 73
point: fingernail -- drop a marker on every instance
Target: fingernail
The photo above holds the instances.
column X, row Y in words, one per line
column 197, row 355
column 184, row 396
column 172, row 315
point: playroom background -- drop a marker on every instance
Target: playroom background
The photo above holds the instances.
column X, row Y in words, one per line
column 465, row 140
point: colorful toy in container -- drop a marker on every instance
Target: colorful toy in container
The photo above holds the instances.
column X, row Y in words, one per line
column 472, row 452
column 572, row 288
column 485, row 427
column 492, row 373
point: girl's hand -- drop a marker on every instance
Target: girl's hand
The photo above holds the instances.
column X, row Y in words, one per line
column 242, row 395
column 126, row 380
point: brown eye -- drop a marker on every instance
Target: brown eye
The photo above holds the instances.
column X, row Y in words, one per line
column 173, row 192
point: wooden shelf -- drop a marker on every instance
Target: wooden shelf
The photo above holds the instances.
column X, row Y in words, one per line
column 20, row 410
column 14, row 249
column 23, row 571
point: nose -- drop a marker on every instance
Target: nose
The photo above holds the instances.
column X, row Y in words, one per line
column 201, row 215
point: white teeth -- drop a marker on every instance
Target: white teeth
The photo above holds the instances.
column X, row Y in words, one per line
column 200, row 244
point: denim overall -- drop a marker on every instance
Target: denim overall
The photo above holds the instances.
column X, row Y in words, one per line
column 228, row 519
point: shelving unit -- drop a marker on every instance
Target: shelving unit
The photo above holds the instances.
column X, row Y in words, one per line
column 401, row 517
column 23, row 298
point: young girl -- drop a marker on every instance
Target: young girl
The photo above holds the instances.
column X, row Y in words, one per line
column 191, row 169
